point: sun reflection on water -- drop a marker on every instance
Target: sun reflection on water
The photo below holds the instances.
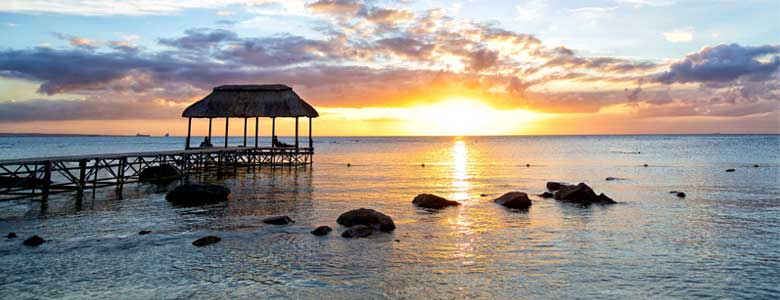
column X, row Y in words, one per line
column 460, row 171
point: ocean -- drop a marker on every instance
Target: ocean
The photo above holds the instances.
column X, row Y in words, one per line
column 721, row 241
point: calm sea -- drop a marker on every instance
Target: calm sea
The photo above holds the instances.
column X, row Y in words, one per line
column 721, row 241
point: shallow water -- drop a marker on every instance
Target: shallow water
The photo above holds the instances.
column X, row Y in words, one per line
column 721, row 241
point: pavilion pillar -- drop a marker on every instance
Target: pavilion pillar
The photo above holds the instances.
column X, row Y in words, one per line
column 257, row 129
column 189, row 131
column 209, row 130
column 227, row 122
column 310, row 141
column 273, row 130
column 296, row 132
column 244, row 132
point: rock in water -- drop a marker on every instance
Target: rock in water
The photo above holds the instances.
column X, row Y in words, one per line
column 357, row 231
column 34, row 241
column 582, row 194
column 144, row 232
column 278, row 220
column 730, row 170
column 11, row 235
column 206, row 240
column 368, row 217
column 433, row 201
column 516, row 200
column 680, row 194
column 159, row 174
column 322, row 230
column 546, row 195
column 756, row 166
column 197, row 194
column 554, row 186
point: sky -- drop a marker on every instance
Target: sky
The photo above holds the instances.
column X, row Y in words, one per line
column 396, row 67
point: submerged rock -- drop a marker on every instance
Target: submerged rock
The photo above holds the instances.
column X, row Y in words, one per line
column 755, row 166
column 433, row 201
column 368, row 217
column 610, row 178
column 206, row 240
column 582, row 194
column 516, row 200
column 680, row 194
column 730, row 170
column 197, row 194
column 554, row 186
column 159, row 174
column 322, row 230
column 545, row 195
column 357, row 231
column 144, row 232
column 278, row 220
column 34, row 241
column 11, row 235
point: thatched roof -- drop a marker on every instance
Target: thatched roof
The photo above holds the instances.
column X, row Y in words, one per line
column 247, row 101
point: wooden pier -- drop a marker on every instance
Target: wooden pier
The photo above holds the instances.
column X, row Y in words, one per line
column 22, row 178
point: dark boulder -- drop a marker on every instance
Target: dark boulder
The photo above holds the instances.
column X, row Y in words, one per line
column 582, row 194
column 197, row 194
column 680, row 194
column 357, row 231
column 554, row 186
column 34, row 241
column 322, row 230
column 433, row 201
column 730, row 170
column 516, row 200
column 11, row 235
column 278, row 220
column 368, row 217
column 144, row 232
column 206, row 240
column 159, row 174
column 546, row 195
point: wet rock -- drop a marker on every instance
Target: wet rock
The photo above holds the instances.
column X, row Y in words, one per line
column 34, row 241
column 11, row 235
column 197, row 194
column 483, row 195
column 144, row 232
column 433, row 201
column 730, row 170
column 322, row 230
column 554, row 186
column 582, row 194
column 516, row 200
column 645, row 165
column 546, row 195
column 357, row 231
column 367, row 217
column 206, row 240
column 278, row 220
column 756, row 166
column 159, row 174
column 680, row 194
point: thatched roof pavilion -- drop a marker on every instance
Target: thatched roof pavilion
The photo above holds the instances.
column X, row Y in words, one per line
column 251, row 101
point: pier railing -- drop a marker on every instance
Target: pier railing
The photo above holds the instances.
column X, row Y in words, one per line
column 21, row 178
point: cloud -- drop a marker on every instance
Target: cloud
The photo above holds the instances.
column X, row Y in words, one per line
column 118, row 7
column 336, row 7
column 680, row 35
column 77, row 41
column 725, row 63
column 594, row 12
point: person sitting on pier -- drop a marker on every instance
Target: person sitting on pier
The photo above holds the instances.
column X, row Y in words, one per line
column 206, row 143
column 277, row 143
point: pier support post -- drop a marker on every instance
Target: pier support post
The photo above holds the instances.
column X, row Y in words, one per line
column 121, row 175
column 95, row 168
column 46, row 182
column 244, row 132
column 296, row 133
column 82, row 179
column 189, row 131
column 227, row 121
column 257, row 130
column 310, row 141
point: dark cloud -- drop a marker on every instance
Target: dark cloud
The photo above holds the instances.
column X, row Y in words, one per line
column 59, row 110
column 724, row 63
column 199, row 39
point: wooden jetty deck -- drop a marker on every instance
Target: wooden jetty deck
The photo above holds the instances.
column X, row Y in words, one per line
column 32, row 177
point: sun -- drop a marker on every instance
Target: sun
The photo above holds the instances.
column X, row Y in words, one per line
column 465, row 116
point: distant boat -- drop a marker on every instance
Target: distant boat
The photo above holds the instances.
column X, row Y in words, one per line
column 141, row 135
column 166, row 134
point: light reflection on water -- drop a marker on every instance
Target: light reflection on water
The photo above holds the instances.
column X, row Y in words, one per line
column 720, row 242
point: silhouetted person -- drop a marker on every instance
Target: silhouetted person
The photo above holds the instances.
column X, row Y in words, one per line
column 206, row 143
